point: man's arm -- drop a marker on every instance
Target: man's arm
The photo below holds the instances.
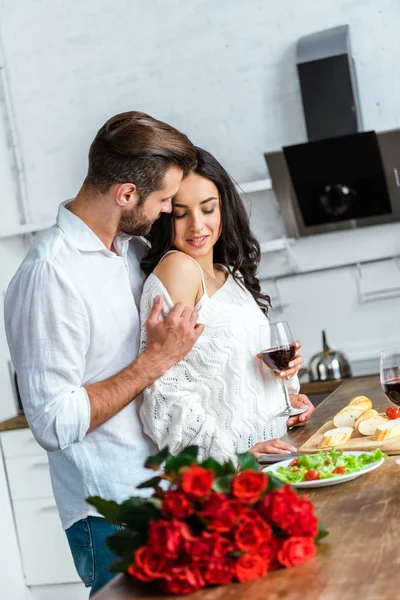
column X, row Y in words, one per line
column 168, row 342
column 48, row 334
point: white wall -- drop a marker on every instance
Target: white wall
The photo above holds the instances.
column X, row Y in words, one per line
column 224, row 72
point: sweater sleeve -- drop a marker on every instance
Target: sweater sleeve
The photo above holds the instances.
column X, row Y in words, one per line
column 173, row 409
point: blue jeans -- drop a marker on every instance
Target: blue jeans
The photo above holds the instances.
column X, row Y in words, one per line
column 91, row 556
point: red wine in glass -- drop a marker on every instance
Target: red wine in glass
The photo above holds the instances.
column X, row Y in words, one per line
column 390, row 374
column 279, row 350
column 278, row 359
column 392, row 390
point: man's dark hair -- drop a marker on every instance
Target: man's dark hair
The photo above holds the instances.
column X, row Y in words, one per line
column 133, row 147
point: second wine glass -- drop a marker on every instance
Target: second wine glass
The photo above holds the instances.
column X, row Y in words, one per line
column 278, row 350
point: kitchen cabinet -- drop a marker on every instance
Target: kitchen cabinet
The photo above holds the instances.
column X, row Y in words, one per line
column 46, row 562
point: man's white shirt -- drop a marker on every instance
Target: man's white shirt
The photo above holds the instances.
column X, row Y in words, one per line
column 72, row 318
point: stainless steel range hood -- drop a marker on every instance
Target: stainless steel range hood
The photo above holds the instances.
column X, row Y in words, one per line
column 339, row 183
column 343, row 177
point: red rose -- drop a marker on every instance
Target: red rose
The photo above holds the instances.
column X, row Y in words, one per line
column 292, row 513
column 219, row 571
column 269, row 551
column 296, row 550
column 139, row 574
column 208, row 545
column 176, row 505
column 249, row 485
column 217, row 509
column 149, row 565
column 183, row 580
column 197, row 482
column 251, row 532
column 250, row 566
column 168, row 536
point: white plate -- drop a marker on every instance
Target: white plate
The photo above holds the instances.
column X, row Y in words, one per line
column 325, row 482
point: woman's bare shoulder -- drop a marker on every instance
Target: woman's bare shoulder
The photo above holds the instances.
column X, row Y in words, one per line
column 181, row 277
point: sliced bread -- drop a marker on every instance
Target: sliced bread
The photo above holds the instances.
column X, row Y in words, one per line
column 369, row 421
column 335, row 437
column 362, row 402
column 387, row 430
column 347, row 416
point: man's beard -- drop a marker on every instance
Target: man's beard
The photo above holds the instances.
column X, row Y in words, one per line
column 134, row 222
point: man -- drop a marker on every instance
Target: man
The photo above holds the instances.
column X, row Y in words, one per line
column 72, row 326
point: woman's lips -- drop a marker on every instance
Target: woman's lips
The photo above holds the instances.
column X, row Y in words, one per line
column 198, row 242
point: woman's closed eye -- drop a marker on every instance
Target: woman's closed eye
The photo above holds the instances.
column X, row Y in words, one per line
column 180, row 216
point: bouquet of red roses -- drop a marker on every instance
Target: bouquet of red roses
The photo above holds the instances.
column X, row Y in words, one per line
column 209, row 524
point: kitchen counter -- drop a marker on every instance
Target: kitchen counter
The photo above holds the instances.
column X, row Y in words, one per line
column 18, row 422
column 359, row 559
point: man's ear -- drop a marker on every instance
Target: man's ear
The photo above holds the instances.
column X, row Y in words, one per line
column 127, row 195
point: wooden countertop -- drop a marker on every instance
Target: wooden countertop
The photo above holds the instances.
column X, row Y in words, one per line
column 359, row 559
column 18, row 422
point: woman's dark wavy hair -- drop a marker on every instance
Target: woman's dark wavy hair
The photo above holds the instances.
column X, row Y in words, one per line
column 237, row 248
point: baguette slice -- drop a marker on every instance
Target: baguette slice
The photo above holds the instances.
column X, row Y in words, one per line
column 347, row 416
column 361, row 401
column 369, row 421
column 387, row 430
column 335, row 437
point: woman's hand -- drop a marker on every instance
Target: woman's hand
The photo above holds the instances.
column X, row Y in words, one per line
column 272, row 447
column 300, row 401
column 294, row 364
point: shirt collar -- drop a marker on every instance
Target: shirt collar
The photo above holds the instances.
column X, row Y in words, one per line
column 83, row 237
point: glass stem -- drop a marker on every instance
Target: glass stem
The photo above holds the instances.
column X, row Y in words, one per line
column 287, row 399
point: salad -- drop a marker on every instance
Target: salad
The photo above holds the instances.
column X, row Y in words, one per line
column 325, row 465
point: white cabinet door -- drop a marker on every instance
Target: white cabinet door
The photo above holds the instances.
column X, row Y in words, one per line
column 46, row 556
column 29, row 477
column 20, row 442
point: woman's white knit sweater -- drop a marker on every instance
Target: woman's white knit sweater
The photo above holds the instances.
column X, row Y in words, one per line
column 220, row 397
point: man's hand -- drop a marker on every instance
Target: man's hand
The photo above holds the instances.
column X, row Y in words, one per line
column 170, row 340
column 274, row 446
column 300, row 401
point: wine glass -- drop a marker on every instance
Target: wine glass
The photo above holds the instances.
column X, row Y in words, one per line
column 390, row 374
column 280, row 350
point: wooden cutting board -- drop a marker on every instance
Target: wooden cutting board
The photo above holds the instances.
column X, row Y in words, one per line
column 356, row 442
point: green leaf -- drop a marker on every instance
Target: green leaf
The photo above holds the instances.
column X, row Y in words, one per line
column 229, row 468
column 153, row 482
column 125, row 541
column 248, row 462
column 108, row 508
column 154, row 462
column 119, row 565
column 274, row 483
column 212, row 464
column 223, row 484
column 192, row 451
column 156, row 502
column 174, row 463
column 322, row 532
column 137, row 512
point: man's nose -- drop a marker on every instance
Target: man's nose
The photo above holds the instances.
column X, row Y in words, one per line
column 167, row 207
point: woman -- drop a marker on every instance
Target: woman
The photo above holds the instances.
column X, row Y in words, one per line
column 220, row 397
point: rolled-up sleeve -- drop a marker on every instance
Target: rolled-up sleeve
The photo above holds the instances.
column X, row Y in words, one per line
column 48, row 333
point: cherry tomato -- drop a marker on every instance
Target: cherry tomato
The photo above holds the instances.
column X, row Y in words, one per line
column 294, row 462
column 295, row 470
column 312, row 475
column 339, row 470
column 326, row 463
column 393, row 412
